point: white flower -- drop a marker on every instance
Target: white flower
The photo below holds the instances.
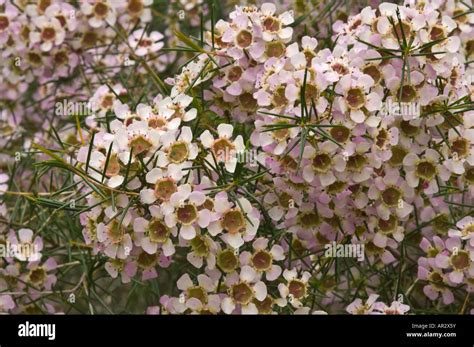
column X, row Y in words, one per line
column 223, row 149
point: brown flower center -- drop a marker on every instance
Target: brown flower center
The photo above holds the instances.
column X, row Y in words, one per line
column 158, row 232
column 164, row 188
column 135, row 7
column 355, row 98
column 425, row 170
column 272, row 24
column 461, row 260
column 297, row 288
column 391, row 196
column 187, row 214
column 242, row 293
column 178, row 152
column 247, row 102
column 262, row 260
column 48, row 34
column 244, row 38
column 234, row 73
column 322, row 162
column 101, row 9
column 4, row 22
column 233, row 221
column 37, row 276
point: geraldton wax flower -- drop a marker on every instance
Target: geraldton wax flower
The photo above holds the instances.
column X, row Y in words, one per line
column 189, row 158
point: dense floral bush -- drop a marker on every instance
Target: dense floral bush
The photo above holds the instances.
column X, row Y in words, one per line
column 195, row 157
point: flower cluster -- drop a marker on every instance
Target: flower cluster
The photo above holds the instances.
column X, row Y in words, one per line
column 273, row 172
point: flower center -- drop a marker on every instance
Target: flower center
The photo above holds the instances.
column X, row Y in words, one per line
column 145, row 43
column 89, row 38
column 262, row 260
column 43, row 5
column 282, row 133
column 355, row 98
column 340, row 68
column 340, row 133
column 408, row 93
column 401, row 30
column 436, row 281
column 373, row 72
column 208, row 205
column 441, row 224
column 391, row 196
column 388, row 226
column 356, row 162
column 38, row 276
column 468, row 229
column 187, row 214
column 297, row 288
column 233, row 221
column 398, row 154
column 247, row 102
column 309, row 55
column 62, row 20
column 158, row 232
column 200, row 246
column 48, row 34
column 272, row 24
column 336, row 188
column 469, row 175
column 140, row 145
column 322, row 163
column 164, row 188
column 284, row 199
column 61, row 58
column 116, row 232
column 222, row 149
column 135, row 7
column 279, row 99
column 146, row 261
column 461, row 147
column 425, row 170
column 178, row 152
column 265, row 306
column 310, row 93
column 244, row 38
column 408, row 129
column 101, row 9
column 437, row 33
column 382, row 138
column 197, row 292
column 288, row 163
column 461, row 260
column 4, row 22
column 234, row 73
column 242, row 293
column 309, row 219
column 227, row 260
column 34, row 58
column 470, row 47
column 460, row 15
column 275, row 49
column 107, row 101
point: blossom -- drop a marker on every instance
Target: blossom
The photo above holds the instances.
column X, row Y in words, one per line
column 223, row 148
column 145, row 43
